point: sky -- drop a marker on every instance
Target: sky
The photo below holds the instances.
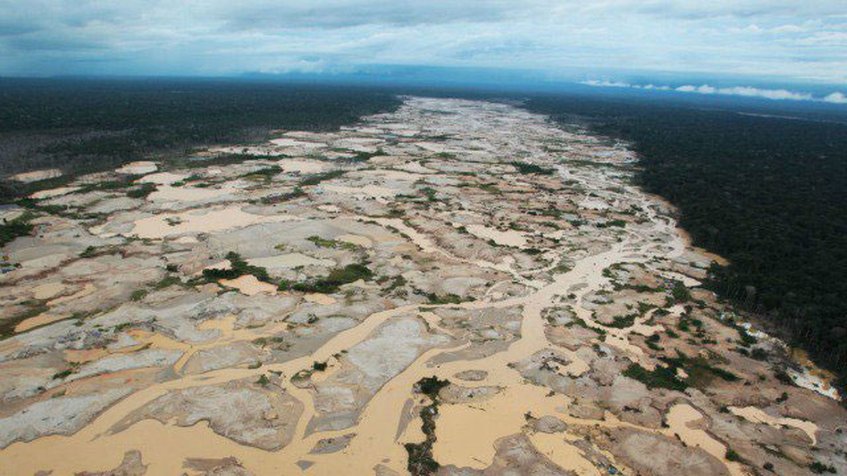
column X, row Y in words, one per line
column 790, row 40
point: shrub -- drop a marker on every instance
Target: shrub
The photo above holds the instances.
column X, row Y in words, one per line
column 731, row 455
column 526, row 168
column 336, row 278
column 238, row 267
column 680, row 293
column 661, row 377
column 142, row 191
column 12, row 229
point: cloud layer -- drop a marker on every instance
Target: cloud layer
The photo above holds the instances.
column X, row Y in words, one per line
column 784, row 38
column 746, row 91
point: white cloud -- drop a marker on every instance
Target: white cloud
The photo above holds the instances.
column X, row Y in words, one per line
column 746, row 91
column 782, row 38
column 607, row 84
column 766, row 93
column 703, row 89
column 836, row 98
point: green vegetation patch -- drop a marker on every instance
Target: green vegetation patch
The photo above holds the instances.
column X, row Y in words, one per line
column 315, row 179
column 329, row 243
column 533, row 169
column 450, row 298
column 680, row 292
column 336, row 278
column 19, row 226
column 819, row 468
column 660, row 377
column 421, row 460
column 700, row 372
column 623, row 322
column 7, row 325
column 238, row 267
column 363, row 156
column 142, row 191
column 264, row 174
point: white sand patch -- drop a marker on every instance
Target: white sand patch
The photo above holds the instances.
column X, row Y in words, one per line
column 10, row 213
column 686, row 280
column 367, row 191
column 188, row 193
column 38, row 321
column 301, row 166
column 249, row 285
column 417, row 168
column 357, row 240
column 360, row 140
column 505, row 238
column 288, row 142
column 808, row 380
column 406, row 132
column 162, row 178
column 398, row 175
column 321, row 299
column 138, row 168
column 594, row 203
column 358, row 144
column 287, row 261
column 199, row 221
column 220, row 265
column 336, row 155
column 556, row 235
column 329, row 208
column 48, row 290
column 87, row 290
column 36, row 175
column 432, row 146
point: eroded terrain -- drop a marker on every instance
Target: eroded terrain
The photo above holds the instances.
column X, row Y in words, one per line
column 457, row 287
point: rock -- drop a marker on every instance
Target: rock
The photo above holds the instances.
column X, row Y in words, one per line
column 648, row 453
column 225, row 356
column 332, row 445
column 217, row 467
column 235, row 410
column 62, row 415
column 515, row 455
column 119, row 362
column 458, row 394
column 549, row 424
column 472, row 375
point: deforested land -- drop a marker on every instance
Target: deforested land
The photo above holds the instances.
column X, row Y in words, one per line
column 449, row 286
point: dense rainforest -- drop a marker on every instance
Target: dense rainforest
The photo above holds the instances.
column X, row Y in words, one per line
column 768, row 193
column 85, row 125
